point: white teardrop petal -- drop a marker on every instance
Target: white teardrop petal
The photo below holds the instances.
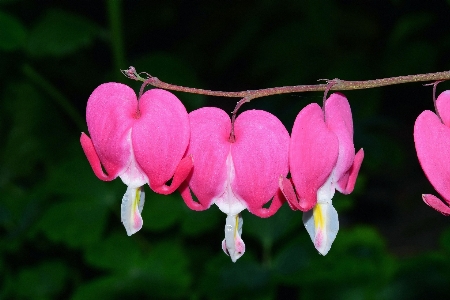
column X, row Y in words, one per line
column 141, row 200
column 308, row 221
column 131, row 208
column 233, row 245
column 322, row 224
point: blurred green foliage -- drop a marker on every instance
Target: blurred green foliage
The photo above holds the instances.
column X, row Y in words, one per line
column 60, row 230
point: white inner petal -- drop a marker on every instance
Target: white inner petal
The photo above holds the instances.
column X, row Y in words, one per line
column 228, row 202
column 133, row 176
column 326, row 192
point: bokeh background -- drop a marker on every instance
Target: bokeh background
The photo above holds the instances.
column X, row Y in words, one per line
column 60, row 230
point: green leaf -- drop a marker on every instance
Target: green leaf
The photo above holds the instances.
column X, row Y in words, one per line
column 245, row 275
column 166, row 271
column 75, row 223
column 423, row 276
column 12, row 34
column 195, row 223
column 74, row 179
column 245, row 279
column 44, row 281
column 79, row 214
column 163, row 274
column 21, row 208
column 161, row 211
column 292, row 259
column 60, row 33
column 6, row 286
column 25, row 143
column 117, row 252
column 107, row 287
column 361, row 247
column 269, row 230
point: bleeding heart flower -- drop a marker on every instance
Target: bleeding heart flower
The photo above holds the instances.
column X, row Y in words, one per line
column 432, row 140
column 139, row 141
column 321, row 159
column 236, row 175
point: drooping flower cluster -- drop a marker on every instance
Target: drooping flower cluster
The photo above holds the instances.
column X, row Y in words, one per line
column 432, row 141
column 237, row 166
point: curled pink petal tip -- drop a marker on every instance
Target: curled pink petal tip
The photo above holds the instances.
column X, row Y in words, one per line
column 436, row 203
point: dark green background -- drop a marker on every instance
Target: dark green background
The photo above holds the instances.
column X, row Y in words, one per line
column 60, row 230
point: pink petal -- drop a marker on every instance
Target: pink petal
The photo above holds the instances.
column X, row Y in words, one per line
column 160, row 137
column 260, row 155
column 110, row 113
column 277, row 201
column 346, row 183
column 181, row 173
column 436, row 203
column 443, row 107
column 313, row 154
column 338, row 118
column 186, row 194
column 432, row 141
column 93, row 159
column 209, row 147
column 287, row 189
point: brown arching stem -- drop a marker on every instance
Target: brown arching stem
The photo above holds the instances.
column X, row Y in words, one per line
column 340, row 85
column 330, row 85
